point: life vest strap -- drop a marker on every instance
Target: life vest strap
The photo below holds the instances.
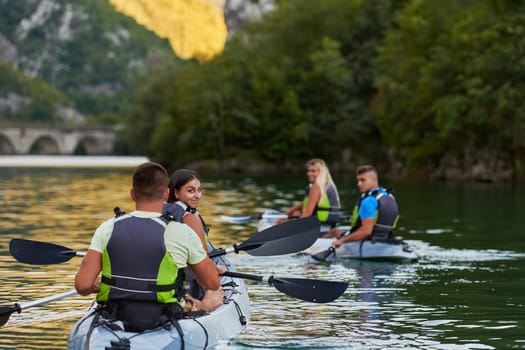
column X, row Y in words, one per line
column 137, row 284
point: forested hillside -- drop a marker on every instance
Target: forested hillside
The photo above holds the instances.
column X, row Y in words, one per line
column 65, row 61
column 419, row 88
column 422, row 88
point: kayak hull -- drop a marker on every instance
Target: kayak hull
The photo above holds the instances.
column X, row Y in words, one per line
column 94, row 332
column 366, row 250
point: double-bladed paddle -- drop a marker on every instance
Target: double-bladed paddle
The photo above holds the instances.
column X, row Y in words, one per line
column 287, row 238
column 6, row 311
column 240, row 220
column 316, row 291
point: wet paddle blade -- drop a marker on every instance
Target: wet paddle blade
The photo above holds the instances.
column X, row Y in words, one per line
column 5, row 312
column 316, row 291
column 239, row 220
column 286, row 238
column 325, row 255
column 39, row 253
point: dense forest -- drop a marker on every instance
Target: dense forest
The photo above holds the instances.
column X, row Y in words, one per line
column 426, row 88
column 419, row 88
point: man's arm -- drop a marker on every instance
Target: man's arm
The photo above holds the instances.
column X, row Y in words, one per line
column 195, row 223
column 206, row 273
column 363, row 232
column 86, row 279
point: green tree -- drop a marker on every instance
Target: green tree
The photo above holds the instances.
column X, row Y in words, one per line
column 450, row 81
column 275, row 99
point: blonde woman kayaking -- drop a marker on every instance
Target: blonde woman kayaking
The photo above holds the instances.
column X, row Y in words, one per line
column 321, row 197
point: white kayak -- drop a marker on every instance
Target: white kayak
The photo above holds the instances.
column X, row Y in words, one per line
column 96, row 332
column 400, row 251
column 367, row 249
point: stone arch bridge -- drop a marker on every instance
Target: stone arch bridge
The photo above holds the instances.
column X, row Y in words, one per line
column 56, row 140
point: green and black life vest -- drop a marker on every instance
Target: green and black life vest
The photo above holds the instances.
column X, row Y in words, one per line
column 136, row 264
column 327, row 210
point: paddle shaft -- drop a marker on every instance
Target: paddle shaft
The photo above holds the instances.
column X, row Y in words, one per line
column 248, row 276
column 6, row 311
column 48, row 299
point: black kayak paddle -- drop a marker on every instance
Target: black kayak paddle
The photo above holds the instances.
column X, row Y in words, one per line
column 40, row 253
column 289, row 237
column 324, row 255
column 316, row 291
column 286, row 238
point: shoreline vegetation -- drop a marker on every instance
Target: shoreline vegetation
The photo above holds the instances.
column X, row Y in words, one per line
column 478, row 174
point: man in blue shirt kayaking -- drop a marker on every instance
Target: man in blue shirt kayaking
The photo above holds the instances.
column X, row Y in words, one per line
column 375, row 214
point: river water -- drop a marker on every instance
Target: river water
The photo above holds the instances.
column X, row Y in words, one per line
column 466, row 291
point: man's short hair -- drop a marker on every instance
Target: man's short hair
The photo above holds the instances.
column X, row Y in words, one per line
column 150, row 180
column 365, row 169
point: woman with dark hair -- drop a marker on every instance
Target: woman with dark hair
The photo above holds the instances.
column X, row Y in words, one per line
column 183, row 200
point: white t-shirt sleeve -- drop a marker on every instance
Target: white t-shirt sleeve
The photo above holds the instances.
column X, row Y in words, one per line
column 183, row 244
column 102, row 235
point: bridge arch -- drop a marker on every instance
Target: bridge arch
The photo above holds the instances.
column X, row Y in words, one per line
column 50, row 139
column 88, row 145
column 44, row 145
column 6, row 146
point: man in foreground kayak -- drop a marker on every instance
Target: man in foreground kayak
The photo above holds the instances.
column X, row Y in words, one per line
column 143, row 256
column 375, row 214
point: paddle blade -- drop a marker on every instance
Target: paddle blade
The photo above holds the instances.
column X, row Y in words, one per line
column 316, row 291
column 5, row 312
column 239, row 220
column 286, row 238
column 324, row 255
column 39, row 253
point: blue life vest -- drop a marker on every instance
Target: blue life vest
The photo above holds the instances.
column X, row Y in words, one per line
column 387, row 214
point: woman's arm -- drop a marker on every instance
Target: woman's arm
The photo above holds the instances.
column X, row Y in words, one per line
column 313, row 199
column 297, row 208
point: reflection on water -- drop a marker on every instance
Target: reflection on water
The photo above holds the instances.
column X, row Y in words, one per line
column 466, row 292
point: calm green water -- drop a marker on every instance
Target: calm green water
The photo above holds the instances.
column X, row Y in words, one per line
column 466, row 292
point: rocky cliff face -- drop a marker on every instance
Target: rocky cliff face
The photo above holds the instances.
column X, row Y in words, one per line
column 93, row 54
column 237, row 12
